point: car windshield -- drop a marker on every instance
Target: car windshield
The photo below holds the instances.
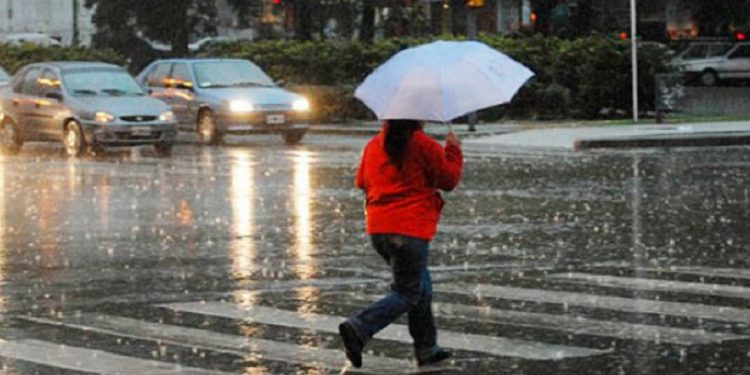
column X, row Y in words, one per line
column 697, row 51
column 231, row 74
column 103, row 82
column 702, row 51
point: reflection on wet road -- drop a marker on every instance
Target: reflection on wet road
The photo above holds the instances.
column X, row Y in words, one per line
column 243, row 258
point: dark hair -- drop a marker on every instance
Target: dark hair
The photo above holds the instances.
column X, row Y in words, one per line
column 397, row 138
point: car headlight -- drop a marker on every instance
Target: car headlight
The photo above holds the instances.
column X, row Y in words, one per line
column 241, row 106
column 103, row 117
column 301, row 105
column 167, row 116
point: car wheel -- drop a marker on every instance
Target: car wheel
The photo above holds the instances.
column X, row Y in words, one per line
column 709, row 78
column 163, row 149
column 207, row 131
column 10, row 141
column 75, row 144
column 293, row 137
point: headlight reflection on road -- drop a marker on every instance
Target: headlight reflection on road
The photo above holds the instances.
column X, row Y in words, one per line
column 3, row 231
column 105, row 190
column 242, row 198
column 306, row 266
column 301, row 197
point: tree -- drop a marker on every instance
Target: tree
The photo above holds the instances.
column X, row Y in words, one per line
column 167, row 21
column 367, row 26
column 305, row 14
column 716, row 18
column 245, row 10
column 436, row 18
column 543, row 10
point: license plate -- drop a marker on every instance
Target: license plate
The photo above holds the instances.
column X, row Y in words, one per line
column 141, row 131
column 275, row 119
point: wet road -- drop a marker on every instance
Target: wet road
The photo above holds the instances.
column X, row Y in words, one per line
column 242, row 258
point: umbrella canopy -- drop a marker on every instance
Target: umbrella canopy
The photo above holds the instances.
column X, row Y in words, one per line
column 441, row 81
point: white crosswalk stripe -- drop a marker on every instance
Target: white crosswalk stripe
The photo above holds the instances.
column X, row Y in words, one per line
column 629, row 305
column 732, row 273
column 655, row 284
column 88, row 360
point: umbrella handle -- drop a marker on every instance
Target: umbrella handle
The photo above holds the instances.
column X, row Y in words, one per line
column 450, row 127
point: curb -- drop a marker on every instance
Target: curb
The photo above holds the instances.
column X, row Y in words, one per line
column 707, row 140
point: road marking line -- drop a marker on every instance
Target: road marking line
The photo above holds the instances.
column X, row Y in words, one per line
column 655, row 284
column 692, row 310
column 230, row 344
column 395, row 332
column 576, row 324
column 729, row 273
column 89, row 360
column 293, row 284
column 513, row 266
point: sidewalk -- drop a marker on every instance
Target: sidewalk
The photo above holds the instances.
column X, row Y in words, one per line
column 370, row 128
column 622, row 136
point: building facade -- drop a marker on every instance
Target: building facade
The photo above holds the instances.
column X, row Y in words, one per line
column 64, row 20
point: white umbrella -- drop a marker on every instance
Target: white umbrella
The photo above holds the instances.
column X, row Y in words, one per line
column 441, row 81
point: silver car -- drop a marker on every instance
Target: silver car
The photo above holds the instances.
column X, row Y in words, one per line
column 4, row 77
column 216, row 97
column 86, row 105
column 710, row 63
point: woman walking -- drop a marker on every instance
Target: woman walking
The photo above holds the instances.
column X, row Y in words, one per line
column 401, row 171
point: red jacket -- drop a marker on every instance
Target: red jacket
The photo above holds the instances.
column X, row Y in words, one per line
column 407, row 201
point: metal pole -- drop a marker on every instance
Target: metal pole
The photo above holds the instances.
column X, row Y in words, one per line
column 634, row 49
column 471, row 31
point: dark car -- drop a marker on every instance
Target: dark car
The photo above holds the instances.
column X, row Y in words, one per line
column 86, row 105
column 215, row 97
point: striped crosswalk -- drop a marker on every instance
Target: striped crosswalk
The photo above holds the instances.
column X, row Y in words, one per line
column 609, row 317
column 395, row 332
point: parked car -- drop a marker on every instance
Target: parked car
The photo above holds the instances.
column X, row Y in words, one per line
column 208, row 41
column 216, row 97
column 86, row 105
column 35, row 38
column 4, row 77
column 708, row 63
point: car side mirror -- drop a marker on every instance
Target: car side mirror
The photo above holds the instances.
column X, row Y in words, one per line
column 54, row 95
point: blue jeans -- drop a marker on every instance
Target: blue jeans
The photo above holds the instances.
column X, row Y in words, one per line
column 411, row 292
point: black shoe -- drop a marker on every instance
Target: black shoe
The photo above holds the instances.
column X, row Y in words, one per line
column 352, row 343
column 439, row 354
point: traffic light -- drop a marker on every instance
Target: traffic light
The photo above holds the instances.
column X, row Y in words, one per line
column 475, row 3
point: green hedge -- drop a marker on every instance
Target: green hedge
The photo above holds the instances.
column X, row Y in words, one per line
column 582, row 78
column 13, row 57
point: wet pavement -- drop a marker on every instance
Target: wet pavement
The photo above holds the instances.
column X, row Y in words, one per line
column 243, row 258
